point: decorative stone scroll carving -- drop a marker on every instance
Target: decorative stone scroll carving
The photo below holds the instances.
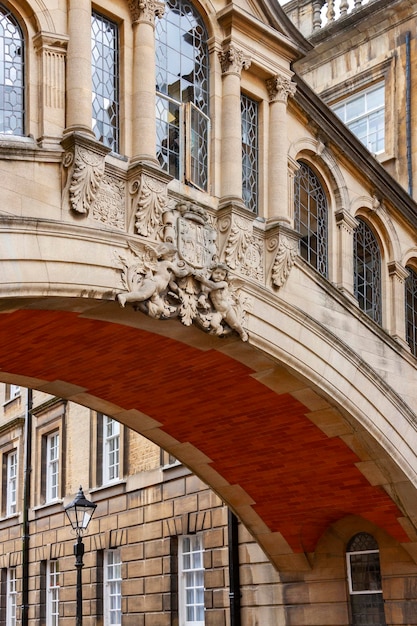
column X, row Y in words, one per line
column 284, row 260
column 233, row 60
column 84, row 162
column 279, row 88
column 181, row 276
column 146, row 10
column 244, row 251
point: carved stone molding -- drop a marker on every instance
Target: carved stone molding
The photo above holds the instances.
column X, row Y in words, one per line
column 52, row 49
column 346, row 221
column 84, row 162
column 398, row 271
column 146, row 10
column 244, row 251
column 233, row 60
column 279, row 88
column 109, row 206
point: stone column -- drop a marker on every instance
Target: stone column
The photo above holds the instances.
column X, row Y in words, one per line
column 397, row 273
column 78, row 88
column 232, row 62
column 279, row 88
column 346, row 225
column 144, row 116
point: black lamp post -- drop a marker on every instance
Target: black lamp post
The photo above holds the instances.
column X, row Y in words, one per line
column 79, row 513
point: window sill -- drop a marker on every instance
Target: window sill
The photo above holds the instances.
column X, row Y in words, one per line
column 108, row 490
column 48, row 508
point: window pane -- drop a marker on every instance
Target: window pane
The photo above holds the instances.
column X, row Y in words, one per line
column 191, row 574
column 11, row 74
column 367, row 271
column 181, row 55
column 367, row 604
column 105, row 72
column 411, row 310
column 310, row 218
column 249, row 113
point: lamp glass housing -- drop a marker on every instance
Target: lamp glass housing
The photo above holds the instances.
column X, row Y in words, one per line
column 79, row 512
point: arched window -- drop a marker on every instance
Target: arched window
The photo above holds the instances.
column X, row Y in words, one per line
column 12, row 106
column 105, row 80
column 411, row 309
column 310, row 217
column 182, row 102
column 364, row 576
column 367, row 271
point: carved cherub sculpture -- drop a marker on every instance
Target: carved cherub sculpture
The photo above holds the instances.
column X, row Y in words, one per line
column 151, row 277
column 226, row 306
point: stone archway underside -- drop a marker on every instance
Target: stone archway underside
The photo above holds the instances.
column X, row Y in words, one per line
column 259, row 450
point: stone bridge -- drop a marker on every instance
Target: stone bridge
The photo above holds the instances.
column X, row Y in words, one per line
column 268, row 380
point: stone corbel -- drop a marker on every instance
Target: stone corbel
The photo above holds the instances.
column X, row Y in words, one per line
column 244, row 249
column 83, row 162
column 282, row 248
column 148, row 199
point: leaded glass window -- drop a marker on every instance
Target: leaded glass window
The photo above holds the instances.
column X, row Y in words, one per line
column 12, row 104
column 249, row 112
column 367, row 271
column 182, row 98
column 364, row 577
column 411, row 309
column 105, row 80
column 310, row 217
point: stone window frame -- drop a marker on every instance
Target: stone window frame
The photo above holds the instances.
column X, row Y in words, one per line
column 192, row 121
column 250, row 149
column 323, row 264
column 97, row 461
column 51, row 418
column 375, row 310
column 351, row 85
column 112, row 128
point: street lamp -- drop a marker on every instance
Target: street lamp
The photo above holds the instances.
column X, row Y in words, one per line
column 79, row 513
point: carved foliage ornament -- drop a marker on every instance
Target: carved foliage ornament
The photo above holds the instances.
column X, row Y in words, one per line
column 87, row 173
column 244, row 251
column 149, row 200
column 279, row 88
column 284, row 260
column 146, row 10
column 233, row 60
column 181, row 276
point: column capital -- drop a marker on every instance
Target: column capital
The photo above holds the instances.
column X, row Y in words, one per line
column 146, row 10
column 279, row 88
column 233, row 60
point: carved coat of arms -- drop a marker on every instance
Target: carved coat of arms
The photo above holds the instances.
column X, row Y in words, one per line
column 181, row 276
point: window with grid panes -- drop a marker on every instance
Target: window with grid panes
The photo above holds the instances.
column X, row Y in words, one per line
column 191, row 581
column 411, row 309
column 12, row 67
column 364, row 577
column 52, row 467
column 364, row 114
column 249, row 113
column 310, row 217
column 11, row 486
column 367, row 271
column 105, row 80
column 182, row 94
column 11, row 597
column 112, row 588
column 111, row 449
column 52, row 593
column 11, row 392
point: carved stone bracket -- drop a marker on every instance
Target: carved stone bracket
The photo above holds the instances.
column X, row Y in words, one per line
column 233, row 60
column 244, row 251
column 84, row 165
column 284, row 260
column 148, row 199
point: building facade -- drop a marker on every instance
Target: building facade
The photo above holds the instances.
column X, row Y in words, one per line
column 194, row 246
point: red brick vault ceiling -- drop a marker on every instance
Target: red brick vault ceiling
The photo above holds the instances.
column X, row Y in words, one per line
column 301, row 480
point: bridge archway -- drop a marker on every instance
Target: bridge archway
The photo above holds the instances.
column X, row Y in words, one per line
column 290, row 448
